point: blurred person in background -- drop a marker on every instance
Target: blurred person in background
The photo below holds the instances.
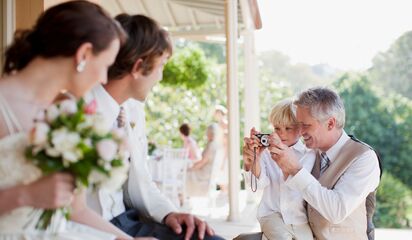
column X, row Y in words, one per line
column 189, row 143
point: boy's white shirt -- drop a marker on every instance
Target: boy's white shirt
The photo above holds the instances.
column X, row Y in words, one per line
column 277, row 196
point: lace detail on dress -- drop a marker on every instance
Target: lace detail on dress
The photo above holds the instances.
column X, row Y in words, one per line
column 15, row 170
column 14, row 167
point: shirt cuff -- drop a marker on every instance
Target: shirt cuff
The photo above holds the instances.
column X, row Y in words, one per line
column 160, row 214
column 301, row 180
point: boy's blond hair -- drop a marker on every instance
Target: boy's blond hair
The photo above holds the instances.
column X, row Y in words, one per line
column 283, row 113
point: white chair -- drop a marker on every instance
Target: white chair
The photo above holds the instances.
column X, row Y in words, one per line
column 173, row 180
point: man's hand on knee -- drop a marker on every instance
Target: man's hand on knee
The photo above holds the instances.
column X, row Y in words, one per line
column 176, row 220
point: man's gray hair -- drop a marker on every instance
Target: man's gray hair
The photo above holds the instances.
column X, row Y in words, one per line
column 323, row 103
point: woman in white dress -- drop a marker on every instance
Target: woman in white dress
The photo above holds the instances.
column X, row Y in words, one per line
column 70, row 48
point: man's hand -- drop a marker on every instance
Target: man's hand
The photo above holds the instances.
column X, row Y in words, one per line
column 176, row 220
column 284, row 156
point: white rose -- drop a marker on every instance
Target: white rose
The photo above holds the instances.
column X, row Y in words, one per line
column 52, row 152
column 88, row 142
column 107, row 149
column 100, row 125
column 64, row 140
column 88, row 122
column 72, row 156
column 52, row 113
column 68, row 106
column 96, row 177
column 39, row 133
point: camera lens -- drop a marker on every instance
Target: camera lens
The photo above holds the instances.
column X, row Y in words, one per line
column 265, row 140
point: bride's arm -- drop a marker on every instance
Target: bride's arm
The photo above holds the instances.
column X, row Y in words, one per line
column 84, row 215
column 12, row 198
column 52, row 191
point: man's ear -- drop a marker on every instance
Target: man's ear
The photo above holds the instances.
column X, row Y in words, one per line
column 136, row 69
column 331, row 123
column 83, row 53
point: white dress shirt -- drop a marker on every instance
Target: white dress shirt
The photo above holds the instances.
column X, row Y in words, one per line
column 143, row 192
column 361, row 178
column 277, row 196
column 107, row 204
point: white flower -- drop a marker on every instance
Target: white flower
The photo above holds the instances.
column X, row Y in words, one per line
column 100, row 125
column 38, row 135
column 88, row 142
column 65, row 142
column 72, row 156
column 87, row 123
column 96, row 177
column 68, row 106
column 52, row 113
column 52, row 152
column 107, row 149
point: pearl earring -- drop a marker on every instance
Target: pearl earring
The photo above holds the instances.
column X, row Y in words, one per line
column 80, row 66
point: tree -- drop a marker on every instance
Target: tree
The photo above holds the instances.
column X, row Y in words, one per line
column 380, row 119
column 393, row 69
column 188, row 68
column 394, row 208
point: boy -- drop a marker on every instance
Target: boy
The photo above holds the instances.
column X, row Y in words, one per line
column 281, row 212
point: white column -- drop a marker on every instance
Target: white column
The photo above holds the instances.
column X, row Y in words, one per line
column 251, row 84
column 7, row 22
column 233, row 107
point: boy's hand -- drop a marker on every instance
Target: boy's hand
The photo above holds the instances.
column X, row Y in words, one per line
column 250, row 144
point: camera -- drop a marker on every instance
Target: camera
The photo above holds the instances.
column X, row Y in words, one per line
column 264, row 138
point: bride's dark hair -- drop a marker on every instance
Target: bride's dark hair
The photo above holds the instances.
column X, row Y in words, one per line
column 60, row 31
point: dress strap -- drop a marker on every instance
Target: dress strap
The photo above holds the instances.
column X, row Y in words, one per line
column 13, row 125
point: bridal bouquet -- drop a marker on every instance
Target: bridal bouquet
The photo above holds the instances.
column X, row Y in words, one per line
column 71, row 137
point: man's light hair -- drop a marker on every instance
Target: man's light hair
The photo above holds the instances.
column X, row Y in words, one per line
column 283, row 113
column 323, row 103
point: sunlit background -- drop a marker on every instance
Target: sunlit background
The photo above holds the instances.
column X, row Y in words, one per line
column 343, row 34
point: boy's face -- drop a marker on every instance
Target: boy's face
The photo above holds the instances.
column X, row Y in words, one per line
column 289, row 134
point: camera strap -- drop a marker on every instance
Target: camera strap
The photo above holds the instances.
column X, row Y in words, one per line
column 253, row 184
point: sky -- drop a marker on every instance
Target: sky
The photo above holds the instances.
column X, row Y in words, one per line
column 345, row 34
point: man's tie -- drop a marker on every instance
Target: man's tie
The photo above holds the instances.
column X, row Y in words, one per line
column 121, row 118
column 121, row 123
column 324, row 163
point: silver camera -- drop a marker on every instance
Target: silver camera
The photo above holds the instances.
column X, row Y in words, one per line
column 264, row 138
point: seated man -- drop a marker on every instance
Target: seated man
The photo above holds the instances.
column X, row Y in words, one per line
column 138, row 67
column 345, row 173
column 340, row 190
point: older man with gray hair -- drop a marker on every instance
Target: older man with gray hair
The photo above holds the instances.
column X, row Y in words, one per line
column 346, row 170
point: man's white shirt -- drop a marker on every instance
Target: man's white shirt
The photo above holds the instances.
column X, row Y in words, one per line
column 277, row 196
column 361, row 178
column 107, row 204
column 143, row 192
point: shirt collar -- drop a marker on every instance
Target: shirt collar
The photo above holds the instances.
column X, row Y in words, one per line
column 332, row 152
column 106, row 104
